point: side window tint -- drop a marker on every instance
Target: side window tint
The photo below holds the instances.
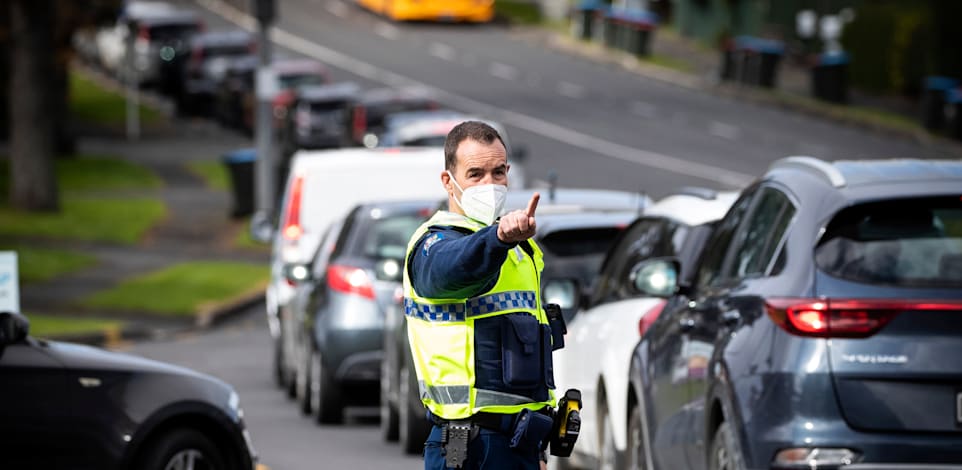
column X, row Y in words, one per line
column 709, row 269
column 762, row 235
column 641, row 241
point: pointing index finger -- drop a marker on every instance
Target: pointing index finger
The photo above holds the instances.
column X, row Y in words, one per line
column 533, row 204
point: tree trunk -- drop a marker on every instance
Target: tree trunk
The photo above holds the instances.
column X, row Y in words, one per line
column 33, row 186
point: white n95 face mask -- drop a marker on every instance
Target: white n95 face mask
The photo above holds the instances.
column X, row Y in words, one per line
column 483, row 202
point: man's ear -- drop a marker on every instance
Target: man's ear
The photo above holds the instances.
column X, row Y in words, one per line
column 446, row 182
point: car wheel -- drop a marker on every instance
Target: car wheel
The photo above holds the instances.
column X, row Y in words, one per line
column 325, row 396
column 636, row 446
column 725, row 453
column 413, row 427
column 304, row 396
column 607, row 452
column 389, row 412
column 279, row 363
column 182, row 449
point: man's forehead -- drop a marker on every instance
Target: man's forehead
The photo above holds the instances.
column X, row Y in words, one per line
column 474, row 154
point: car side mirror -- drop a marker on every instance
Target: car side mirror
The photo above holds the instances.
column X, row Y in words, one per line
column 298, row 273
column 14, row 328
column 389, row 269
column 657, row 277
column 262, row 227
column 566, row 293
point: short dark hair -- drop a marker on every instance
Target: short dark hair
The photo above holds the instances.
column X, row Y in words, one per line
column 474, row 130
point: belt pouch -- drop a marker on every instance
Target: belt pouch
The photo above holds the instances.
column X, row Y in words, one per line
column 530, row 429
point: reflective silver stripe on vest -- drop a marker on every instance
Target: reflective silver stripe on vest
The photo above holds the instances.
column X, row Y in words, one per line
column 493, row 398
column 483, row 305
column 445, row 394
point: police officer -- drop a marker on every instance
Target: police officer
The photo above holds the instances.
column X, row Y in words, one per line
column 477, row 329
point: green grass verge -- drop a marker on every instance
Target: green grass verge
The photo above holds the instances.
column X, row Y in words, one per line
column 877, row 117
column 46, row 326
column 244, row 240
column 518, row 12
column 90, row 102
column 182, row 289
column 83, row 172
column 42, row 264
column 214, row 174
column 91, row 219
column 668, row 62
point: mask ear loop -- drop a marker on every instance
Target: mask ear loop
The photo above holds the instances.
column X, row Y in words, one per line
column 456, row 185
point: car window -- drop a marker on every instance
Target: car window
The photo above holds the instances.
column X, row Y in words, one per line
column 713, row 257
column 646, row 238
column 903, row 242
column 319, row 265
column 388, row 237
column 763, row 232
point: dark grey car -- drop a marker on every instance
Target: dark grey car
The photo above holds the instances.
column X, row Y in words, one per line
column 575, row 229
column 338, row 310
column 822, row 329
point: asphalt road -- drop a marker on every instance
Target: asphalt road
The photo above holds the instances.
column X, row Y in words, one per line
column 596, row 125
column 239, row 353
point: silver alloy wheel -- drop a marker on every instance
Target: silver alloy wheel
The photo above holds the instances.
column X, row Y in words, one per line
column 187, row 459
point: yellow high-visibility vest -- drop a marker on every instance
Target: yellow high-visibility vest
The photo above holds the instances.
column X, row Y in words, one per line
column 441, row 332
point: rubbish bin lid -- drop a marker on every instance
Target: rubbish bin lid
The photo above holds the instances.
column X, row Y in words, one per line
column 757, row 44
column 590, row 5
column 938, row 82
column 241, row 155
column 833, row 58
column 634, row 16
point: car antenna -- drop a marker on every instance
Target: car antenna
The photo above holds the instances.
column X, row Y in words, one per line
column 552, row 185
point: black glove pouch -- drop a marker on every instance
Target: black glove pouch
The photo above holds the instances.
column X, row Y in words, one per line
column 530, row 429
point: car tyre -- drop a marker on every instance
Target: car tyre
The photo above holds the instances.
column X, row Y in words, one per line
column 389, row 412
column 304, row 397
column 324, row 392
column 413, row 427
column 279, row 363
column 636, row 459
column 725, row 452
column 607, row 452
column 182, row 449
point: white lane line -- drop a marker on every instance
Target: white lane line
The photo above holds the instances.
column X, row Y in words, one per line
column 528, row 123
column 723, row 130
column 504, row 71
column 645, row 110
column 571, row 90
column 337, row 9
column 387, row 31
column 442, row 51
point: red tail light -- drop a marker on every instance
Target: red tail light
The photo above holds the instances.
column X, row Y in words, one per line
column 649, row 317
column 197, row 56
column 252, row 47
column 292, row 218
column 360, row 123
column 844, row 318
column 144, row 33
column 350, row 280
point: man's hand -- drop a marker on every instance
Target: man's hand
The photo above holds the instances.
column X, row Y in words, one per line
column 518, row 226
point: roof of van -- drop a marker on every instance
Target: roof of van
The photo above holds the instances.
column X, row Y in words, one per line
column 368, row 158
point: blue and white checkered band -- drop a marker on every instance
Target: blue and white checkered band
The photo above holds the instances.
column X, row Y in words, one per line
column 492, row 303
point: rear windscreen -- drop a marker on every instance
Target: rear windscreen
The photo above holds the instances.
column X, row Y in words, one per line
column 388, row 237
column 169, row 32
column 592, row 241
column 433, row 141
column 288, row 82
column 905, row 242
column 326, row 107
column 227, row 51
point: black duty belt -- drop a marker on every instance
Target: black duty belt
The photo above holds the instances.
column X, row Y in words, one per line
column 499, row 422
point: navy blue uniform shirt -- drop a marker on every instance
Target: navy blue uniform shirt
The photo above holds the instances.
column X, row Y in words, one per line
column 448, row 263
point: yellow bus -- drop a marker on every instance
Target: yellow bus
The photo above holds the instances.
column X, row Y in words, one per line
column 475, row 11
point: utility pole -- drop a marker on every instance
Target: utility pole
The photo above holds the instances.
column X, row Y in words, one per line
column 266, row 88
column 131, row 79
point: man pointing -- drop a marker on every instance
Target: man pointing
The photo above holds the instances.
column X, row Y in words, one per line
column 478, row 333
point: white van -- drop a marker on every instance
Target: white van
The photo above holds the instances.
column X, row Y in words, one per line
column 323, row 185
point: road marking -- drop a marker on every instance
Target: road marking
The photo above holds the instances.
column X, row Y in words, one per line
column 442, row 51
column 337, row 9
column 571, row 90
column 504, row 71
column 387, row 31
column 535, row 125
column 643, row 109
column 723, row 130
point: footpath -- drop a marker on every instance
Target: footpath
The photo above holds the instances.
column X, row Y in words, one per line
column 197, row 227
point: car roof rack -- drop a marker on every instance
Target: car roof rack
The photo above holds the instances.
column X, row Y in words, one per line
column 813, row 166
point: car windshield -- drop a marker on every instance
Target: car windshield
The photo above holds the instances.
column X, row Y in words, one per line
column 388, row 237
column 905, row 242
column 288, row 82
column 174, row 31
column 580, row 242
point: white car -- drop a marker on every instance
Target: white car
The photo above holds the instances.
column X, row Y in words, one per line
column 600, row 340
column 322, row 186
